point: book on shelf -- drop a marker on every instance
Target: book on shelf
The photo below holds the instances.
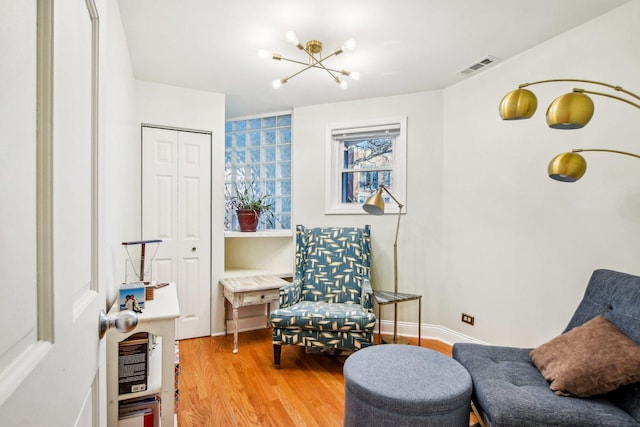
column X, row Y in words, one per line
column 147, row 406
column 142, row 418
column 133, row 363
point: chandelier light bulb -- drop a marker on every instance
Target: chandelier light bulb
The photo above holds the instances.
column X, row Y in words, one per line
column 277, row 84
column 343, row 84
column 354, row 75
column 349, row 44
column 264, row 54
column 292, row 38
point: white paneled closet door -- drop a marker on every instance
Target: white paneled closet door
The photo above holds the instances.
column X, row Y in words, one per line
column 176, row 207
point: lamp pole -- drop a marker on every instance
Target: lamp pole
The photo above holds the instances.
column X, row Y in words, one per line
column 395, row 241
column 395, row 262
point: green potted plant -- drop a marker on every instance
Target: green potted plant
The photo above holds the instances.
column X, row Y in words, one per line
column 251, row 206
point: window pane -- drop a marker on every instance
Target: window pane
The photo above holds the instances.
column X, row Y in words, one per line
column 254, row 139
column 239, row 140
column 259, row 150
column 270, row 137
column 240, row 125
column 284, row 121
column 254, row 123
column 369, row 153
column 358, row 186
column 268, row 122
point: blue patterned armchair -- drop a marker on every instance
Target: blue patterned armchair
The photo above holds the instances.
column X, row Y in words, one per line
column 329, row 304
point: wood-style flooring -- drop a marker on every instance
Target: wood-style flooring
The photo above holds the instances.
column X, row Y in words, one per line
column 219, row 388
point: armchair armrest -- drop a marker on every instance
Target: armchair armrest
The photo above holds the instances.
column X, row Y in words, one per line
column 367, row 295
column 290, row 293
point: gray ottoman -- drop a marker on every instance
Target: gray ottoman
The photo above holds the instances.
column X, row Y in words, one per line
column 405, row 385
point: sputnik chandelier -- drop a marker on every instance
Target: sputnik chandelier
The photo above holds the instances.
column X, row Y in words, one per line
column 313, row 49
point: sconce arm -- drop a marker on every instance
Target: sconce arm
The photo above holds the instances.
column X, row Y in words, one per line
column 614, row 87
column 579, row 150
column 608, row 95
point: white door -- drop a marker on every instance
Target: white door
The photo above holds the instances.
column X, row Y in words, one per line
column 176, row 207
column 50, row 352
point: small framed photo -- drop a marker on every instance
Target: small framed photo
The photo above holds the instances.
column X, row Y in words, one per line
column 132, row 297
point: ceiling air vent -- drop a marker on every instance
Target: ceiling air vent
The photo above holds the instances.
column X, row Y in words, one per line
column 480, row 64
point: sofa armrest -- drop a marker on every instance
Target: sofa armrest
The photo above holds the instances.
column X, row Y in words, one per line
column 367, row 295
column 290, row 293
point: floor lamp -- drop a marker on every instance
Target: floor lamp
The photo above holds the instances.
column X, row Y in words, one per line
column 572, row 110
column 374, row 205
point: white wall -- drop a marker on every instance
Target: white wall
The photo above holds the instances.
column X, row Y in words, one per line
column 419, row 239
column 120, row 161
column 519, row 247
column 172, row 106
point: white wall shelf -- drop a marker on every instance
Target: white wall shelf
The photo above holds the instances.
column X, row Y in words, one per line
column 258, row 234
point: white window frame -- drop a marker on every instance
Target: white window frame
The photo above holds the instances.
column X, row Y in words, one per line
column 334, row 148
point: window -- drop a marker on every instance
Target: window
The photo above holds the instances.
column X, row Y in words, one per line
column 258, row 151
column 360, row 157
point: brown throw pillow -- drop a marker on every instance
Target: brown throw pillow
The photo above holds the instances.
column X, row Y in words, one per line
column 591, row 359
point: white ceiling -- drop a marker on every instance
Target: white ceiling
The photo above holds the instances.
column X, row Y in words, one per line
column 403, row 46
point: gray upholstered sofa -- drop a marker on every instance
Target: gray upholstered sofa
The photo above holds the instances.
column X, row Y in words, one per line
column 509, row 390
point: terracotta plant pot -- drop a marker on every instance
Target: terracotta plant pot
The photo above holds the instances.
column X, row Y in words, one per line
column 247, row 219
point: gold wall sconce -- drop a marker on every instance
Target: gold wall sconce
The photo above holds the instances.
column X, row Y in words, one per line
column 572, row 110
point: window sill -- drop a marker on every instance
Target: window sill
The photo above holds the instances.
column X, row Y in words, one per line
column 258, row 234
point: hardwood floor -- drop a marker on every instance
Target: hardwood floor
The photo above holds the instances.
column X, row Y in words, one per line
column 219, row 388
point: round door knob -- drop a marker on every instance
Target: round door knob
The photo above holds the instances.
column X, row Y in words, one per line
column 194, row 249
column 124, row 321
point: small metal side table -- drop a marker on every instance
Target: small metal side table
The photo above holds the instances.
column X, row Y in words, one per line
column 386, row 297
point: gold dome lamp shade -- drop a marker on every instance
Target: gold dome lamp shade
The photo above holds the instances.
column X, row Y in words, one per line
column 570, row 111
column 570, row 167
column 567, row 167
column 518, row 104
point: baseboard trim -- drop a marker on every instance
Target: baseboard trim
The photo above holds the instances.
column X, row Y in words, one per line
column 405, row 329
column 436, row 332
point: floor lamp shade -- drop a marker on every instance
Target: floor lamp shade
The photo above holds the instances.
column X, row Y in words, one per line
column 374, row 205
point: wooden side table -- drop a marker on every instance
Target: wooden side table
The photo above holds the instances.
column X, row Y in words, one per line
column 242, row 291
column 395, row 298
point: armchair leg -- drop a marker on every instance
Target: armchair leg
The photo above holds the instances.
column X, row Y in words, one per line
column 277, row 351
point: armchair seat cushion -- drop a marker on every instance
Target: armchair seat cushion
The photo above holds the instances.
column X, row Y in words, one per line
column 510, row 388
column 324, row 316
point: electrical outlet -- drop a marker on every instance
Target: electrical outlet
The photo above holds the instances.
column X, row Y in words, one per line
column 467, row 318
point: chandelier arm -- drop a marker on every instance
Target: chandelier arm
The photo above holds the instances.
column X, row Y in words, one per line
column 319, row 64
column 295, row 74
column 306, row 64
column 607, row 95
column 614, row 87
column 579, row 150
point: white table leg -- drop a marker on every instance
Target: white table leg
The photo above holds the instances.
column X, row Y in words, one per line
column 235, row 330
